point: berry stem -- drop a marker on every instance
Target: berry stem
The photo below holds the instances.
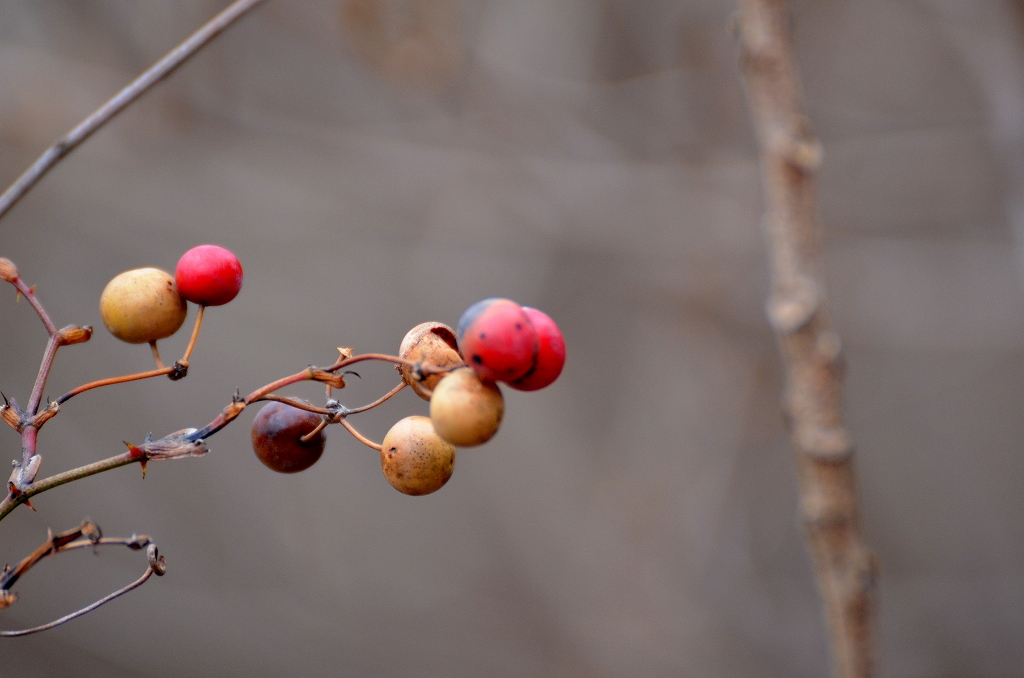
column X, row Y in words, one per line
column 387, row 396
column 113, row 380
column 156, row 356
column 319, row 427
column 195, row 335
column 105, row 113
column 360, row 437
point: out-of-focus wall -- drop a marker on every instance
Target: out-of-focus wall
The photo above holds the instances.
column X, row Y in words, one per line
column 379, row 163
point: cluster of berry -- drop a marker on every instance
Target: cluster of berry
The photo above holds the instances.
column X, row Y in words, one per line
column 500, row 340
column 496, row 340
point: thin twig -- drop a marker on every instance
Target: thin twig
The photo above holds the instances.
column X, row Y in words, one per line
column 297, row 403
column 30, row 294
column 69, row 541
column 811, row 351
column 85, row 610
column 105, row 113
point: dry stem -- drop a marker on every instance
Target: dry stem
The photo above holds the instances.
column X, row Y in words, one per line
column 811, row 351
column 69, row 541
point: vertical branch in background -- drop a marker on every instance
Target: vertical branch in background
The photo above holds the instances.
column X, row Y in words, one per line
column 811, row 350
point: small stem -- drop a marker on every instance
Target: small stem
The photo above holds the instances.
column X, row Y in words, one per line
column 360, row 437
column 113, row 380
column 44, row 373
column 120, row 101
column 319, row 427
column 383, row 398
column 195, row 335
column 156, row 356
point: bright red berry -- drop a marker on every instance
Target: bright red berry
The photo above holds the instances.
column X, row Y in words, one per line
column 550, row 358
column 497, row 339
column 208, row 275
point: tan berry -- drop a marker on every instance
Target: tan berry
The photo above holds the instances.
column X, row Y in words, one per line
column 415, row 460
column 432, row 344
column 142, row 305
column 466, row 410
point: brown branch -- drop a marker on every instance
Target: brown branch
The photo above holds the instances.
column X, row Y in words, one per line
column 811, row 351
column 12, row 501
column 187, row 442
column 105, row 113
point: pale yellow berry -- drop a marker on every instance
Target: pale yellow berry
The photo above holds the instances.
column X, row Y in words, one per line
column 142, row 305
column 466, row 410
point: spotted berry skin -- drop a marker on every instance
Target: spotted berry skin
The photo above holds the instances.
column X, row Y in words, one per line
column 550, row 358
column 142, row 305
column 209, row 275
column 415, row 460
column 497, row 339
column 277, row 433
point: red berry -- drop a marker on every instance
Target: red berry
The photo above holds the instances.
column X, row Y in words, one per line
column 497, row 339
column 277, row 433
column 208, row 275
column 550, row 353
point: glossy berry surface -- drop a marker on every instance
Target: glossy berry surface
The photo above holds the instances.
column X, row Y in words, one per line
column 550, row 358
column 433, row 344
column 414, row 459
column 142, row 305
column 465, row 409
column 497, row 339
column 209, row 275
column 276, row 438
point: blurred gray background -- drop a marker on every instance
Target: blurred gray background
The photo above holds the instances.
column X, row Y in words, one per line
column 380, row 163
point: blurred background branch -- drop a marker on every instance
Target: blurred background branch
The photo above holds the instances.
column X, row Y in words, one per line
column 790, row 156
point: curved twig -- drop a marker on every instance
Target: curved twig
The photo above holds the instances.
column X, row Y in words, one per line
column 70, row 541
